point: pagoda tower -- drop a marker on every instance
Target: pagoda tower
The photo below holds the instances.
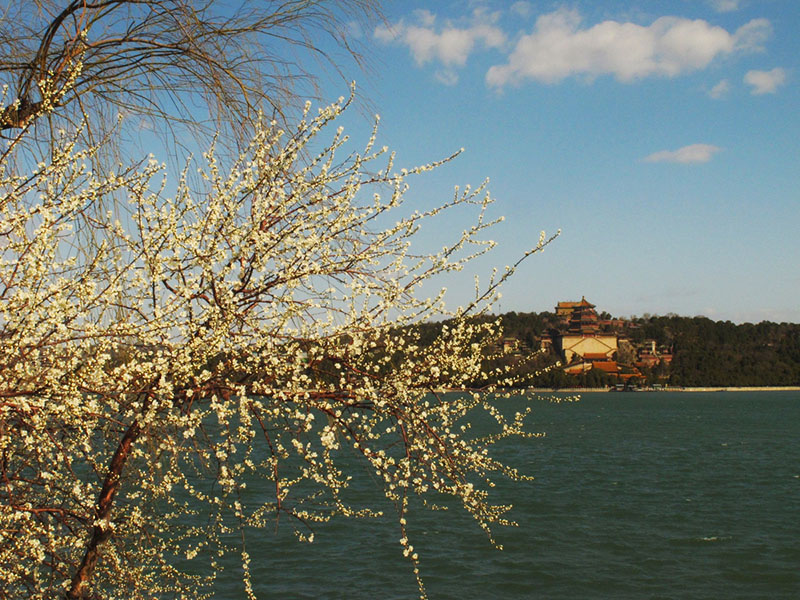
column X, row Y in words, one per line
column 583, row 338
column 583, row 320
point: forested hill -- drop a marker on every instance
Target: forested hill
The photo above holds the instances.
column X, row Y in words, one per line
column 703, row 352
column 718, row 353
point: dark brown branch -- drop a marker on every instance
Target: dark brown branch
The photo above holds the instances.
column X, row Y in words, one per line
column 17, row 116
column 101, row 531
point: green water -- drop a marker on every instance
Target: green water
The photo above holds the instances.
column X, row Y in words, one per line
column 642, row 495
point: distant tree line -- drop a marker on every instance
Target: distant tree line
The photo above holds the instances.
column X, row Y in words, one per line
column 721, row 353
column 705, row 352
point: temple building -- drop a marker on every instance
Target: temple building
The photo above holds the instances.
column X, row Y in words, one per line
column 583, row 337
column 564, row 309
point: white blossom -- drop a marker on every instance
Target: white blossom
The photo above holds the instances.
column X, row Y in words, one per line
column 256, row 322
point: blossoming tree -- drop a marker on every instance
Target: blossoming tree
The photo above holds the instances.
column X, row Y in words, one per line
column 257, row 327
column 251, row 319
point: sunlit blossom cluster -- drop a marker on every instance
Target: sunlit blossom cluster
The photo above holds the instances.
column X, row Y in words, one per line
column 255, row 324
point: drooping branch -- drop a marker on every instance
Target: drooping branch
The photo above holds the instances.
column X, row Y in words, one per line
column 171, row 60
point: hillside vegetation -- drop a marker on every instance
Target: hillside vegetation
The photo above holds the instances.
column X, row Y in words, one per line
column 703, row 352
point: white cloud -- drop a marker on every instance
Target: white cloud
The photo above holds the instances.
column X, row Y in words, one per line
column 559, row 48
column 447, row 77
column 725, row 5
column 765, row 82
column 425, row 17
column 522, row 9
column 695, row 153
column 354, row 30
column 450, row 45
column 720, row 90
column 750, row 36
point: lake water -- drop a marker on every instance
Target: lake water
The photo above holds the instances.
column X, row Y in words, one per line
column 637, row 495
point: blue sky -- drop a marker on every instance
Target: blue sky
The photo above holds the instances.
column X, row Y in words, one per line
column 662, row 138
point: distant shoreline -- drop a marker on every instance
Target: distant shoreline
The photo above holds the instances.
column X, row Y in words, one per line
column 675, row 389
